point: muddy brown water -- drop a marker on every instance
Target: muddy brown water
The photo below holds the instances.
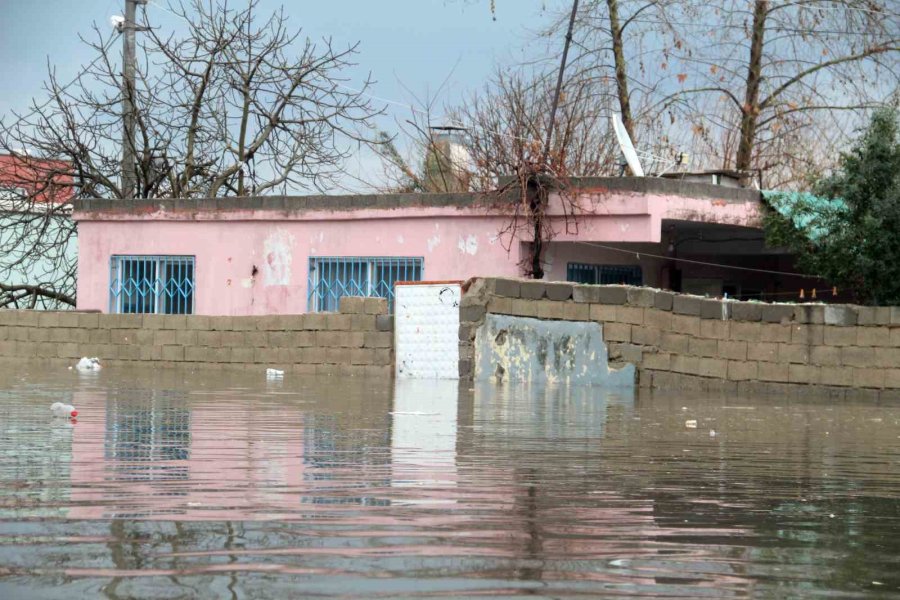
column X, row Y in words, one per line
column 175, row 484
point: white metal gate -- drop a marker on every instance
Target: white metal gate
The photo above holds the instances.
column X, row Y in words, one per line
column 426, row 330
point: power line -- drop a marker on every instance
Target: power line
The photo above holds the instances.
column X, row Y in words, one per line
column 638, row 254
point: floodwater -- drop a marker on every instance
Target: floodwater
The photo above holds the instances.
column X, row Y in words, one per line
column 212, row 485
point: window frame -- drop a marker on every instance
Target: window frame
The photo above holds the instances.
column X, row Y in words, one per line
column 410, row 265
column 161, row 264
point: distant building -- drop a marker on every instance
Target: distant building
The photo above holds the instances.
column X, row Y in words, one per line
column 35, row 205
column 283, row 255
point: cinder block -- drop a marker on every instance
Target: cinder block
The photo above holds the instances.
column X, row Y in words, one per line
column 98, row 336
column 647, row 336
column 89, row 320
column 68, row 318
column 125, row 336
column 687, row 305
column 873, row 315
column 664, row 300
column 507, row 288
column 612, row 294
column 67, row 350
column 220, row 323
column 559, row 292
column 328, row 339
column 338, row 321
column 161, row 337
column 714, row 309
column 630, row 314
column 770, row 332
column 588, row 294
column 173, row 353
column 674, row 342
column 48, row 318
column 352, row 305
column 384, row 322
column 812, row 314
column 660, row 319
column 174, row 321
column 548, row 309
column 895, row 315
column 841, row 376
column 840, row 315
column 524, row 308
column 777, row 313
column 686, row 364
column 895, row 337
column 887, row 357
column 532, row 290
column 313, row 321
column 746, row 311
column 240, row 355
column 191, row 354
column 209, row 338
column 35, row 334
column 241, row 323
column 472, row 314
column 378, row 339
column 840, row 336
column 813, row 335
column 121, row 321
column 641, row 296
column 767, row 371
column 660, row 361
column 742, row 370
column 743, row 331
column 384, row 356
column 855, row 356
column 616, row 332
column 732, row 350
column 576, row 312
column 869, row 378
column 714, row 329
column 233, row 339
column 809, row 374
column 828, row 356
column 253, row 339
column 763, row 351
column 686, row 324
column 154, row 353
column 201, row 322
column 499, row 306
column 702, row 347
column 603, row 313
column 713, row 367
column 793, row 353
column 376, row 306
column 630, row 353
column 892, row 378
column 873, row 336
column 363, row 322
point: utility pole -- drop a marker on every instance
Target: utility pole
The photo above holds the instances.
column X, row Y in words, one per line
column 129, row 27
column 559, row 83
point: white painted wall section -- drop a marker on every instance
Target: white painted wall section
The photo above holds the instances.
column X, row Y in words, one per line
column 426, row 330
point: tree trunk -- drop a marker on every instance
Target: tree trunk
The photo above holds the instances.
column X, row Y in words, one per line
column 750, row 110
column 615, row 32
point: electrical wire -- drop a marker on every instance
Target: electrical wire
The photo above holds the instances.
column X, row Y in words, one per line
column 638, row 254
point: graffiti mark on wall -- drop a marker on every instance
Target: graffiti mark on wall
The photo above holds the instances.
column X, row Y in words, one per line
column 468, row 245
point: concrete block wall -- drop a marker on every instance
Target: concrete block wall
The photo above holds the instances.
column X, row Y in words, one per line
column 706, row 344
column 357, row 340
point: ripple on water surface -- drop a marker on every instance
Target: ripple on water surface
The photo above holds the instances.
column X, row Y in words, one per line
column 175, row 484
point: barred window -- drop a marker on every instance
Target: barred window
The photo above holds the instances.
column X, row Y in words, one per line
column 604, row 274
column 152, row 284
column 331, row 278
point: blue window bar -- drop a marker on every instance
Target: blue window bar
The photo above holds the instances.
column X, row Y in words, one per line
column 331, row 278
column 604, row 274
column 151, row 284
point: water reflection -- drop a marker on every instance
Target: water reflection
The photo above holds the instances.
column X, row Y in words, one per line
column 177, row 484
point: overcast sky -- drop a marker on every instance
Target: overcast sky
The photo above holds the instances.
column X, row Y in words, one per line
column 414, row 44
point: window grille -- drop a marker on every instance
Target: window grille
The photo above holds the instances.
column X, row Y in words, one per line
column 152, row 284
column 604, row 274
column 331, row 278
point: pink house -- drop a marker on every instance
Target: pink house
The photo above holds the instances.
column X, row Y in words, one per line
column 285, row 255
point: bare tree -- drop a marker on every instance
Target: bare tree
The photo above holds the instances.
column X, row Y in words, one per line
column 236, row 105
column 766, row 79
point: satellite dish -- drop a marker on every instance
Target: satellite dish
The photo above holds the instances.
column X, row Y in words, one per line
column 626, row 146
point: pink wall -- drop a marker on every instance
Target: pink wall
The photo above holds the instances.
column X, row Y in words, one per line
column 455, row 242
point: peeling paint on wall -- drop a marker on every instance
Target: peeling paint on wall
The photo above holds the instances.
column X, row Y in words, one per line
column 433, row 242
column 468, row 245
column 278, row 256
column 509, row 348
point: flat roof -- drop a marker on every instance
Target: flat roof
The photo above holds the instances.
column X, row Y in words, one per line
column 626, row 185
